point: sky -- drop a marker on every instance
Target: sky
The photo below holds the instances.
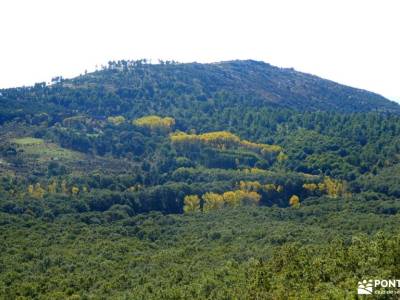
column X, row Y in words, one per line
column 354, row 42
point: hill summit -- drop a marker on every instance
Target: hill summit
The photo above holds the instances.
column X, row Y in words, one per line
column 135, row 88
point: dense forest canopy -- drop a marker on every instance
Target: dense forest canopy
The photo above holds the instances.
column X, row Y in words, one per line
column 206, row 171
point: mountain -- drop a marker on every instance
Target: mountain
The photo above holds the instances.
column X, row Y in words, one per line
column 231, row 180
column 137, row 88
column 258, row 82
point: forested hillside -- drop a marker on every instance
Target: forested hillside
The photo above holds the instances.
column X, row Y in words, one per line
column 182, row 181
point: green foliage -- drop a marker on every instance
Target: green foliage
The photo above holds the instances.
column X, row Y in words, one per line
column 330, row 271
column 91, row 205
column 316, row 251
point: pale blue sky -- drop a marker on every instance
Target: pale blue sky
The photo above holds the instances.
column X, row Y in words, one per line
column 354, row 42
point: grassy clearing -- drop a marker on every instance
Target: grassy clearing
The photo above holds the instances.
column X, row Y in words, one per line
column 44, row 151
column 27, row 141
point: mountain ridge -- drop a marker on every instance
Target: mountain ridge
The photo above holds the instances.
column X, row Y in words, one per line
column 181, row 181
column 126, row 87
column 266, row 71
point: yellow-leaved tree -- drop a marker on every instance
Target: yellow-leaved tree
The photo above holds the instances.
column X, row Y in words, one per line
column 191, row 203
column 155, row 122
column 231, row 199
column 294, row 201
column 52, row 187
column 311, row 187
column 249, row 186
column 117, row 120
column 31, row 189
column 38, row 191
column 270, row 187
column 222, row 140
column 74, row 190
column 250, row 198
column 334, row 188
column 212, row 201
column 64, row 188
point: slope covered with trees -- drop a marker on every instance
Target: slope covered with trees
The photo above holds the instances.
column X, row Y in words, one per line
column 207, row 172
